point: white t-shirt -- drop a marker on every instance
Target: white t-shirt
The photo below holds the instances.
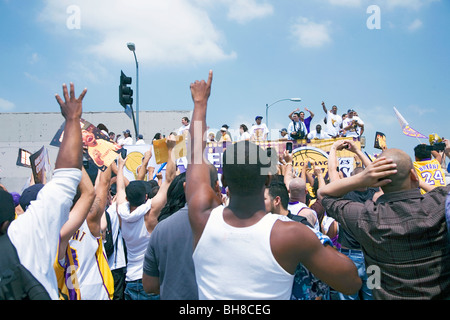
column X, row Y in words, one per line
column 140, row 141
column 296, row 207
column 183, row 128
column 136, row 237
column 322, row 135
column 333, row 123
column 258, row 132
column 35, row 233
column 245, row 136
column 296, row 127
column 117, row 259
column 352, row 132
column 128, row 141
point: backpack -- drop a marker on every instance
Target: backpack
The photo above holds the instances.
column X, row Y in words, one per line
column 16, row 282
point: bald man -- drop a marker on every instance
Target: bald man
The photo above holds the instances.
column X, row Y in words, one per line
column 297, row 202
column 403, row 234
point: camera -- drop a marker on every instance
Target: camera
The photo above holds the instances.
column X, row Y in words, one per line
column 440, row 146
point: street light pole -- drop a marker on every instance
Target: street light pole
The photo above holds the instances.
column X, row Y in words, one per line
column 268, row 106
column 132, row 48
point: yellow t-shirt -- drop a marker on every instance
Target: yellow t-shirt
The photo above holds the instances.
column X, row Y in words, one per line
column 430, row 172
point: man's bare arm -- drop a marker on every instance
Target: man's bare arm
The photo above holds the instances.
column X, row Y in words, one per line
column 199, row 194
column 160, row 199
column 78, row 213
column 102, row 186
column 373, row 176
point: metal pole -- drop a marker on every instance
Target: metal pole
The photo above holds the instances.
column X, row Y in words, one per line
column 137, row 95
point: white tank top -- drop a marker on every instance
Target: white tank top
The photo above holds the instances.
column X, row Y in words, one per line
column 237, row 263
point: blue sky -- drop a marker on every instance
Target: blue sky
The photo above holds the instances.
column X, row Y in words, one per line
column 261, row 51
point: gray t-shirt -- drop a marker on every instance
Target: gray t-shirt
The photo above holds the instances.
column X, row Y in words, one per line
column 169, row 257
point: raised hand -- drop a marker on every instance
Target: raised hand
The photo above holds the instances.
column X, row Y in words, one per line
column 201, row 90
column 70, row 151
column 71, row 108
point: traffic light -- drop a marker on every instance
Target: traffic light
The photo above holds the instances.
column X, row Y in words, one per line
column 125, row 92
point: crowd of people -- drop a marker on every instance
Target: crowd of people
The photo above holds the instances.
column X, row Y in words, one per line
column 277, row 233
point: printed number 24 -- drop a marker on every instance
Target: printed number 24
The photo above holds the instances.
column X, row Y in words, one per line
column 430, row 179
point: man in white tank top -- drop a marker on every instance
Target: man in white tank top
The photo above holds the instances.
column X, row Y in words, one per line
column 259, row 252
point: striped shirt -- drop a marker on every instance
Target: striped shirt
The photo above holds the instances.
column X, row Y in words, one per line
column 404, row 234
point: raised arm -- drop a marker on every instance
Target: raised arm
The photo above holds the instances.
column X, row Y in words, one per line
column 200, row 196
column 288, row 173
column 78, row 213
column 70, row 151
column 102, row 186
column 310, row 112
column 121, row 182
column 160, row 199
column 373, row 176
column 290, row 114
column 324, row 108
column 143, row 168
column 333, row 165
column 351, row 146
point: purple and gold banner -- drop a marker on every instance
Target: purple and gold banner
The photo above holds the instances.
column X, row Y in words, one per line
column 315, row 150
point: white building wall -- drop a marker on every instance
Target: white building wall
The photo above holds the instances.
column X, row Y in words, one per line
column 31, row 131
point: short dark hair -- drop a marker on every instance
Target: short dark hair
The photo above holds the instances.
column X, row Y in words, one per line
column 278, row 189
column 246, row 166
column 136, row 193
column 244, row 127
column 421, row 152
column 186, row 119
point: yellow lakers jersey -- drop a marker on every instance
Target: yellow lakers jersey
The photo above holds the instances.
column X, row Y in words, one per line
column 430, row 172
column 85, row 274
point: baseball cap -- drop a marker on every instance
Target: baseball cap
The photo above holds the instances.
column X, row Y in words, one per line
column 350, row 110
column 136, row 192
column 283, row 130
column 29, row 194
column 127, row 131
column 7, row 210
column 223, row 129
column 140, row 136
column 258, row 117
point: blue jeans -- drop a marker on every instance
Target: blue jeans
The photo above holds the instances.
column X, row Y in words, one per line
column 135, row 291
column 364, row 293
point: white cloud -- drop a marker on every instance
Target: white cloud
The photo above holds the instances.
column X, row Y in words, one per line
column 169, row 31
column 415, row 25
column 346, row 3
column 310, row 34
column 6, row 105
column 244, row 11
column 407, row 4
